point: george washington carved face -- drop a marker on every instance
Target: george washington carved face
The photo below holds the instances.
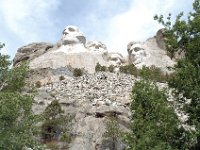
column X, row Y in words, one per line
column 72, row 35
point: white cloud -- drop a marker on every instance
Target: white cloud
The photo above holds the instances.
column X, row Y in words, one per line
column 137, row 23
column 115, row 23
column 26, row 17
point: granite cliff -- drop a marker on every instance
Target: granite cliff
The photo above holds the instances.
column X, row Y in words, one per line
column 95, row 96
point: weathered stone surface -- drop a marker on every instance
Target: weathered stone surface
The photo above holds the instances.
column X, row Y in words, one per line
column 73, row 50
column 31, row 51
column 160, row 39
column 148, row 54
column 92, row 99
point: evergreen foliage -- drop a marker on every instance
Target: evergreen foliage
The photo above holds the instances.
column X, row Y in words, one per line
column 77, row 72
column 17, row 129
column 184, row 35
column 154, row 124
column 113, row 131
column 56, row 124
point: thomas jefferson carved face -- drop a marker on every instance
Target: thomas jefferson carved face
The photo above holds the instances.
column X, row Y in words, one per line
column 72, row 35
column 116, row 59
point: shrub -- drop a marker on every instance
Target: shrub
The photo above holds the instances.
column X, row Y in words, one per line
column 129, row 69
column 50, row 130
column 153, row 73
column 154, row 124
column 77, row 72
column 52, row 145
column 113, row 132
column 99, row 68
column 38, row 84
column 61, row 78
column 55, row 123
column 111, row 68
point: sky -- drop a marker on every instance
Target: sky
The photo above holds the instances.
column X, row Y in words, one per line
column 113, row 22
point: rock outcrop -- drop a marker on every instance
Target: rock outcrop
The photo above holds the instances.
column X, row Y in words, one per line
column 31, row 51
column 93, row 97
column 148, row 53
column 73, row 50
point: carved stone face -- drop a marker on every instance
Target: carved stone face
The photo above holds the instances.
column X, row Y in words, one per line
column 136, row 52
column 72, row 35
column 96, row 46
column 116, row 59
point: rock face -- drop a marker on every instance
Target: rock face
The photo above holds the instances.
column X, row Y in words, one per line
column 73, row 50
column 92, row 99
column 148, row 53
column 31, row 51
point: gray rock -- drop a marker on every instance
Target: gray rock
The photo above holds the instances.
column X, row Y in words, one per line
column 31, row 51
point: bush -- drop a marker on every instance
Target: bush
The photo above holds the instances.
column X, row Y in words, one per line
column 77, row 72
column 61, row 78
column 154, row 74
column 38, row 84
column 129, row 69
column 55, row 123
column 154, row 123
column 113, row 132
column 50, row 130
column 111, row 68
column 99, row 68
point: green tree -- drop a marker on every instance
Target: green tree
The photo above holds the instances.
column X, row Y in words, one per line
column 113, row 131
column 56, row 125
column 16, row 118
column 154, row 124
column 184, row 35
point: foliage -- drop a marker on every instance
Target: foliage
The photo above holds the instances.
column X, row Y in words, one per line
column 61, row 78
column 17, row 129
column 56, row 124
column 129, row 69
column 77, row 72
column 99, row 68
column 154, row 124
column 153, row 73
column 38, row 84
column 53, row 145
column 113, row 131
column 184, row 36
column 111, row 68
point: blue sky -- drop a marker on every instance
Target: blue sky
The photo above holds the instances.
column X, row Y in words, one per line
column 114, row 22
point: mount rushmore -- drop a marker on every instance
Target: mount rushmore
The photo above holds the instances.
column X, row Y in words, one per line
column 95, row 96
column 72, row 49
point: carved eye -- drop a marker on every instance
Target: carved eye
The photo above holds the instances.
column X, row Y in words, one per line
column 71, row 29
column 64, row 32
column 114, row 59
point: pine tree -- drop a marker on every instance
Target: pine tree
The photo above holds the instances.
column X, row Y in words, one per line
column 154, row 124
column 16, row 117
column 184, row 35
